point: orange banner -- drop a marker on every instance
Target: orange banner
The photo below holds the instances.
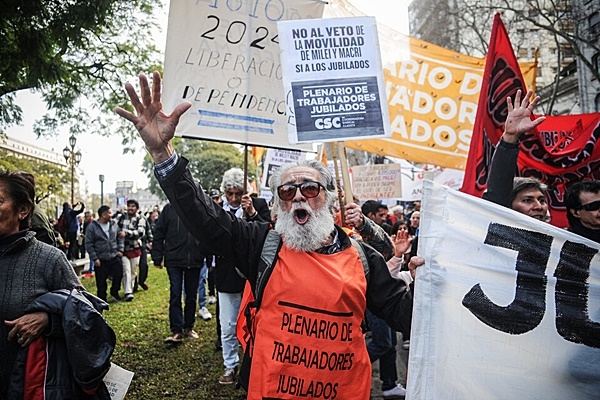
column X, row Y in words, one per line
column 432, row 97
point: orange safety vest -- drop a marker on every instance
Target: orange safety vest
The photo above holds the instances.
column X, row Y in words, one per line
column 309, row 342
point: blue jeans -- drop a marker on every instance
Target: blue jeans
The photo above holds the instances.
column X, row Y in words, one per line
column 382, row 347
column 202, row 286
column 229, row 305
column 188, row 277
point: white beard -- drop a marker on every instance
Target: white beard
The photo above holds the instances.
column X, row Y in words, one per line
column 310, row 236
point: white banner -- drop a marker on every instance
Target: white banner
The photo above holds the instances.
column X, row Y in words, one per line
column 223, row 56
column 505, row 306
column 333, row 78
column 375, row 182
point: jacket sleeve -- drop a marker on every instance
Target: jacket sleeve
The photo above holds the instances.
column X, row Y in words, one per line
column 149, row 234
column 502, row 173
column 376, row 237
column 215, row 228
column 90, row 243
column 160, row 232
column 388, row 298
column 263, row 214
column 120, row 241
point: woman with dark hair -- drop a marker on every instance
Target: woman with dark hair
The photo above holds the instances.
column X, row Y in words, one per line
column 29, row 268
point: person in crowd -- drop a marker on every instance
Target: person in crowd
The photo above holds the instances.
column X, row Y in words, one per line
column 228, row 281
column 146, row 245
column 60, row 241
column 382, row 345
column 71, row 214
column 105, row 247
column 28, row 268
column 88, row 217
column 40, row 224
column 415, row 221
column 80, row 250
column 398, row 212
column 525, row 195
column 202, row 300
column 175, row 248
column 583, row 209
column 377, row 212
column 210, row 259
column 318, row 274
column 132, row 228
column 398, row 227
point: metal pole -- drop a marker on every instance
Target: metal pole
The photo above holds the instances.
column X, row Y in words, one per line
column 101, row 177
column 72, row 178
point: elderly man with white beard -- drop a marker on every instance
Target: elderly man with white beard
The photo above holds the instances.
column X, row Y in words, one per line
column 308, row 340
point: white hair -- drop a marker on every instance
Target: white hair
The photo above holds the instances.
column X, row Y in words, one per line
column 233, row 179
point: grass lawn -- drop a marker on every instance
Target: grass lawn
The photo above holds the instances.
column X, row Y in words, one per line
column 185, row 371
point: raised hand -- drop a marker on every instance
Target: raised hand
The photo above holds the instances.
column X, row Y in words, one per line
column 518, row 120
column 401, row 243
column 155, row 127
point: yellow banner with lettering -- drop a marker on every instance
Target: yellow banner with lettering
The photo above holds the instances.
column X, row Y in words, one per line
column 432, row 97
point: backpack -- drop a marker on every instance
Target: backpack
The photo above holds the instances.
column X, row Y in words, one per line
column 252, row 297
column 62, row 225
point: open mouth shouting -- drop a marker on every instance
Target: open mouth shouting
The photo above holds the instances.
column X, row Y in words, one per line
column 301, row 216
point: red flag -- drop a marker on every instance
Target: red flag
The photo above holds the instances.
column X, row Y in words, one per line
column 501, row 78
column 560, row 152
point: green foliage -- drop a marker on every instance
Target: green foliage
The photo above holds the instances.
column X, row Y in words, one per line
column 208, row 162
column 49, row 179
column 186, row 371
column 75, row 52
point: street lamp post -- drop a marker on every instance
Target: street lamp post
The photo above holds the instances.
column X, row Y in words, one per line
column 101, row 177
column 72, row 158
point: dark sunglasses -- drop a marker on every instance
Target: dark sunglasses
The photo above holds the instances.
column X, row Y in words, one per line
column 593, row 206
column 308, row 189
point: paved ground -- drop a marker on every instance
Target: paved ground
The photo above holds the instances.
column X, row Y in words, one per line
column 401, row 363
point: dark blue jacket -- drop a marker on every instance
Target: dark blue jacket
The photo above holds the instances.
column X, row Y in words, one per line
column 173, row 245
column 77, row 349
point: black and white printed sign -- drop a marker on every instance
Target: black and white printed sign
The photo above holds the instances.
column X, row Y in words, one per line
column 333, row 79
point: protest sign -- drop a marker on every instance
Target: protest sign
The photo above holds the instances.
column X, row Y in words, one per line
column 380, row 181
column 333, row 79
column 223, row 57
column 412, row 185
column 432, row 95
column 505, row 305
column 274, row 159
column 117, row 381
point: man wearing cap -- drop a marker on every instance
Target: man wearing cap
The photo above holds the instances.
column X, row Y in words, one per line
column 105, row 248
column 132, row 229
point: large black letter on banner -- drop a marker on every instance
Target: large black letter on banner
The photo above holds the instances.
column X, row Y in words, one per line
column 572, row 319
column 528, row 307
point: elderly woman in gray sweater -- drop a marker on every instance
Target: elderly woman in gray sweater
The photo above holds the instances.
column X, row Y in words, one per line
column 28, row 268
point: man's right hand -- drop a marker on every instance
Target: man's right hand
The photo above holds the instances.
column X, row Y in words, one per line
column 155, row 127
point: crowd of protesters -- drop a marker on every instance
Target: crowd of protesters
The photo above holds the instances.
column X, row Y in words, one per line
column 219, row 238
